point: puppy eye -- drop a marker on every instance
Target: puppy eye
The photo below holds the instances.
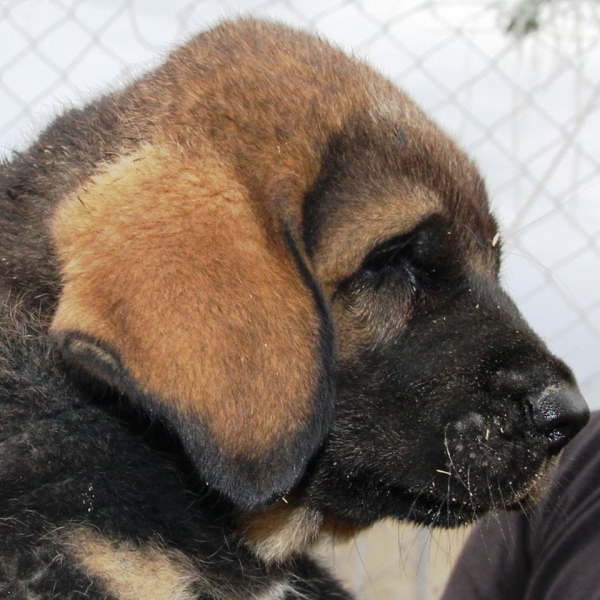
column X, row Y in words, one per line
column 394, row 253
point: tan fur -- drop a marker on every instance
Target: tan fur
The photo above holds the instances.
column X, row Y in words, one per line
column 150, row 572
column 165, row 262
column 287, row 528
column 281, row 531
column 129, row 572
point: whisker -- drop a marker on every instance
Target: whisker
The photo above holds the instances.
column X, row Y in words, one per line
column 504, row 506
column 452, row 465
column 494, row 513
column 521, row 506
column 522, row 253
column 419, row 495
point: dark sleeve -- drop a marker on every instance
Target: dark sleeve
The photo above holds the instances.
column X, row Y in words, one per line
column 494, row 564
column 552, row 552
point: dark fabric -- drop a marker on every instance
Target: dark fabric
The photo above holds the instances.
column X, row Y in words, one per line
column 550, row 553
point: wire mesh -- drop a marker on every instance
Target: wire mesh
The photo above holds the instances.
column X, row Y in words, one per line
column 516, row 82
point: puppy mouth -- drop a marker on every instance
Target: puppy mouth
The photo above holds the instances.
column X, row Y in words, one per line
column 444, row 499
column 448, row 511
column 445, row 510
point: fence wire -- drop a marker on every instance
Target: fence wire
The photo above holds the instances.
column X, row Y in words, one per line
column 516, row 82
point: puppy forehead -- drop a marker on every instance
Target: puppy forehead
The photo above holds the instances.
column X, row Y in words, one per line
column 387, row 170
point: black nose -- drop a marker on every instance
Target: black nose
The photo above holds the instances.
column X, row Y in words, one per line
column 559, row 413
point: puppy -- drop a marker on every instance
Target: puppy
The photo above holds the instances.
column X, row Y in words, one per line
column 270, row 286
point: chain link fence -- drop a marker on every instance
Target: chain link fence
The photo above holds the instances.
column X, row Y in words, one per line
column 516, row 82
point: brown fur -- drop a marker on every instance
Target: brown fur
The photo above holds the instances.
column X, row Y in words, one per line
column 152, row 279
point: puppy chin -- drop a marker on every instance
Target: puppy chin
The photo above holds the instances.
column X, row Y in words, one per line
column 533, row 494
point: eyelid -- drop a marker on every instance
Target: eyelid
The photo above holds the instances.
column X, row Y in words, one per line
column 390, row 249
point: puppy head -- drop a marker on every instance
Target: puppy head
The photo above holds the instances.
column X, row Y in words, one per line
column 306, row 210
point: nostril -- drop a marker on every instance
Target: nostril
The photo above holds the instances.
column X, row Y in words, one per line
column 559, row 413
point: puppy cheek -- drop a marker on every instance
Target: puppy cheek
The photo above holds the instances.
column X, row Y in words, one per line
column 368, row 320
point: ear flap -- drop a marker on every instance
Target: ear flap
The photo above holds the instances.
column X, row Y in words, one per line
column 175, row 293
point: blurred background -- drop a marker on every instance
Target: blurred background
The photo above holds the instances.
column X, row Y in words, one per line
column 516, row 82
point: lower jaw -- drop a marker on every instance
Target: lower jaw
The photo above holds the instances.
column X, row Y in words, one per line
column 427, row 512
column 368, row 506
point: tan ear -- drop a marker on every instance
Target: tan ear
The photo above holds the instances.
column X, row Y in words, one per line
column 175, row 293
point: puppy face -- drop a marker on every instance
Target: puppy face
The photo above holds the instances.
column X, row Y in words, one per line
column 448, row 404
column 295, row 269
